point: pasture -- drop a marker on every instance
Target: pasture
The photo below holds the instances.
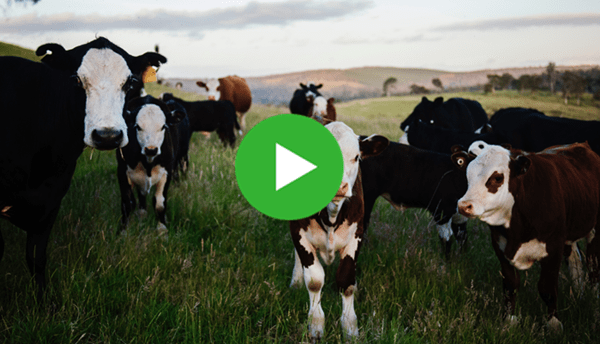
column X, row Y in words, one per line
column 222, row 273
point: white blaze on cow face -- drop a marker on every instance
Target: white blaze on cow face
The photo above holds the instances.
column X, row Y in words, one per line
column 214, row 93
column 103, row 74
column 348, row 142
column 150, row 128
column 487, row 196
column 319, row 106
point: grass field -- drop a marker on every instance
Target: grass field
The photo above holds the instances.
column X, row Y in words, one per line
column 222, row 273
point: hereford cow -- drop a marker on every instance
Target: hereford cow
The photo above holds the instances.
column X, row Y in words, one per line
column 210, row 115
column 455, row 113
column 537, row 206
column 336, row 228
column 51, row 111
column 322, row 110
column 151, row 157
column 232, row 88
column 300, row 104
column 407, row 176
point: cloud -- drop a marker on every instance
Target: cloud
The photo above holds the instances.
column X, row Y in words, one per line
column 583, row 19
column 254, row 13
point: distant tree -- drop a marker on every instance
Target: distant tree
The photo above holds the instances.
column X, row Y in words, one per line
column 387, row 86
column 529, row 82
column 574, row 84
column 488, row 88
column 493, row 82
column 437, row 83
column 551, row 73
column 505, row 81
column 416, row 89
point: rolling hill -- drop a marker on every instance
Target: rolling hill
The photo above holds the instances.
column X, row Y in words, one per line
column 7, row 49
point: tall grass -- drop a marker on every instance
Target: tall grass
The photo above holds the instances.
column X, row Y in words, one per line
column 222, row 273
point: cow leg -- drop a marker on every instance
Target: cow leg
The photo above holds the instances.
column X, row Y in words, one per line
column 346, row 282
column 548, row 286
column 223, row 137
column 575, row 263
column 1, row 246
column 127, row 198
column 459, row 229
column 510, row 277
column 160, row 201
column 242, row 117
column 35, row 251
column 445, row 234
column 142, row 203
column 297, row 273
column 592, row 257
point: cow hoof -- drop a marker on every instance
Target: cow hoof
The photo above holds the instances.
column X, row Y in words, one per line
column 555, row 325
column 297, row 284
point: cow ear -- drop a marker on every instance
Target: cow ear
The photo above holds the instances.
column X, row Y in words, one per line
column 425, row 100
column 58, row 57
column 438, row 101
column 373, row 145
column 487, row 128
column 507, row 146
column 177, row 112
column 153, row 59
column 302, row 85
column 520, row 165
column 319, row 86
column 461, row 159
column 457, row 148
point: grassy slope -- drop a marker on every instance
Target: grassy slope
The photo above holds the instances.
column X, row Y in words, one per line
column 222, row 274
column 376, row 76
column 7, row 49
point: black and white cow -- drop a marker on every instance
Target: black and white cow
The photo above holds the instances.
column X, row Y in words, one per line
column 300, row 104
column 336, row 228
column 538, row 205
column 407, row 177
column 151, row 157
column 50, row 112
column 455, row 113
column 210, row 115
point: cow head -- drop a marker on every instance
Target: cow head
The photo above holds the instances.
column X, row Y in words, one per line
column 109, row 76
column 353, row 149
column 488, row 175
column 310, row 89
column 212, row 87
column 150, row 119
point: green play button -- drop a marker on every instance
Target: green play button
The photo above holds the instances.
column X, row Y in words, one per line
column 289, row 167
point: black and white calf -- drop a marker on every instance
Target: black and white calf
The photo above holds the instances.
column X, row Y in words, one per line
column 409, row 177
column 336, row 228
column 50, row 112
column 151, row 157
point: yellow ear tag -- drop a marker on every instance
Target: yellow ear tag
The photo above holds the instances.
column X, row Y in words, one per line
column 149, row 75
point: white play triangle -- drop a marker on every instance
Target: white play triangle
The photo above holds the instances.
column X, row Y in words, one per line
column 289, row 166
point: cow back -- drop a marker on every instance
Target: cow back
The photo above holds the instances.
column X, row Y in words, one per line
column 236, row 90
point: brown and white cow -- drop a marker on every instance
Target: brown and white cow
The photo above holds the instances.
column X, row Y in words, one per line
column 232, row 88
column 537, row 205
column 336, row 228
column 322, row 109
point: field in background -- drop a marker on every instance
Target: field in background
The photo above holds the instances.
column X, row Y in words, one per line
column 222, row 273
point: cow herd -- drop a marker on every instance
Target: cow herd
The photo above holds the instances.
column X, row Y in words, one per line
column 534, row 179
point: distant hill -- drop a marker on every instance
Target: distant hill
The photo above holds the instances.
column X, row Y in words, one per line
column 365, row 82
column 7, row 49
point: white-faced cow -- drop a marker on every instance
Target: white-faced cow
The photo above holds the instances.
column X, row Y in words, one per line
column 232, row 88
column 151, row 157
column 50, row 111
column 336, row 228
column 300, row 103
column 322, row 109
column 537, row 206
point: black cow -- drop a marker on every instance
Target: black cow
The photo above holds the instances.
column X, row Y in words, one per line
column 407, row 176
column 78, row 99
column 210, row 115
column 300, row 104
column 152, row 156
column 456, row 113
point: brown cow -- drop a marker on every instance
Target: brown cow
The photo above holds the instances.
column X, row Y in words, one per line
column 322, row 110
column 538, row 205
column 232, row 88
column 336, row 228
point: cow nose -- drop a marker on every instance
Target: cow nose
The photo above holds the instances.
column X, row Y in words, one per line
column 211, row 98
column 150, row 152
column 107, row 138
column 465, row 208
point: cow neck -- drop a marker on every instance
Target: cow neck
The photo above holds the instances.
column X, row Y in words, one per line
column 324, row 216
column 436, row 188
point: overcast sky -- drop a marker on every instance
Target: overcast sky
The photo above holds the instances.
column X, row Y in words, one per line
column 262, row 37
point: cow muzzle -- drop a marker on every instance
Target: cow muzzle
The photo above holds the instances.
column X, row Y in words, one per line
column 466, row 208
column 343, row 192
column 107, row 138
column 150, row 153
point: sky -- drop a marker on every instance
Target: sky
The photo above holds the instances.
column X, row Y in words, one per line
column 264, row 37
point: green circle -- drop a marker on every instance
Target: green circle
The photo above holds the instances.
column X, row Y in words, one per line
column 255, row 166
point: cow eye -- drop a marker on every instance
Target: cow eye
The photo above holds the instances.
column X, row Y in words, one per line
column 431, row 121
column 499, row 178
column 137, row 127
column 77, row 80
column 356, row 157
column 164, row 127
